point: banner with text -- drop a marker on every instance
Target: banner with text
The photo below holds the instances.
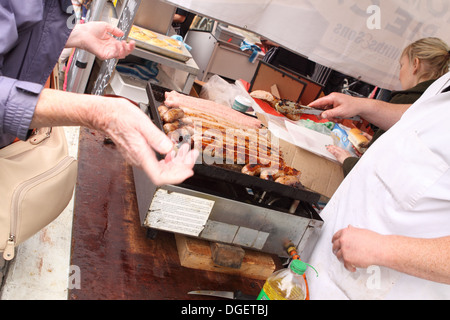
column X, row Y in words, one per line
column 361, row 38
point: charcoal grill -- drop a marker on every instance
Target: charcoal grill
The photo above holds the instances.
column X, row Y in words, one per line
column 223, row 205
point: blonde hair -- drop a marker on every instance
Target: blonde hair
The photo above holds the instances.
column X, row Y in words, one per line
column 433, row 53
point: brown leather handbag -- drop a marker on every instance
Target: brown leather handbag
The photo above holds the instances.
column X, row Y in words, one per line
column 37, row 179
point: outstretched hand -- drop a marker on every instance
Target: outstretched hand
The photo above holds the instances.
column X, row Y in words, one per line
column 99, row 38
column 138, row 139
column 131, row 130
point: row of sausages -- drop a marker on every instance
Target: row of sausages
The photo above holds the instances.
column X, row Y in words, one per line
column 179, row 113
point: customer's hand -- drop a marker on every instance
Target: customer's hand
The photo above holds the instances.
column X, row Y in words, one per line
column 138, row 138
column 339, row 153
column 98, row 38
column 134, row 134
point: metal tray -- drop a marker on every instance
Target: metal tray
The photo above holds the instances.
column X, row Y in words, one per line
column 184, row 56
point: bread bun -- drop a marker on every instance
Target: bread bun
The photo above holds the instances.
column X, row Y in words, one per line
column 265, row 96
column 359, row 141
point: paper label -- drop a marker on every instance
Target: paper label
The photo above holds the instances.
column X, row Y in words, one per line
column 180, row 213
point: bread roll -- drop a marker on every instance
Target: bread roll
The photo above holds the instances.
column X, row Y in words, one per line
column 359, row 141
column 265, row 96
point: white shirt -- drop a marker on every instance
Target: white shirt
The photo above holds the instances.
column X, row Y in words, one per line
column 401, row 186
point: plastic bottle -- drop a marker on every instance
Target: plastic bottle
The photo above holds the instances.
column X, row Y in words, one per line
column 286, row 284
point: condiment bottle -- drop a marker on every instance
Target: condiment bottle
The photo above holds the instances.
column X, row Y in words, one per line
column 286, row 284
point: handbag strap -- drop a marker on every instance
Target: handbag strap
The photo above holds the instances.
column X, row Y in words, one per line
column 37, row 137
column 40, row 135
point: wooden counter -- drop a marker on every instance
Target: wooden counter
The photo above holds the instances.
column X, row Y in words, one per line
column 116, row 259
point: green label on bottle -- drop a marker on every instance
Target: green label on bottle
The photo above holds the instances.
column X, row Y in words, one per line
column 263, row 296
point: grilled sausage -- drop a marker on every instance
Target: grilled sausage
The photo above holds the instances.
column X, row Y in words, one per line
column 175, row 99
column 293, row 116
column 180, row 136
column 292, row 181
column 171, row 126
column 252, row 169
column 288, row 171
column 162, row 109
column 271, row 174
column 187, row 121
column 172, row 115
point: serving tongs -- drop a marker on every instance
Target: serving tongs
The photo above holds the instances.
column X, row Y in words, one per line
column 295, row 109
column 318, row 112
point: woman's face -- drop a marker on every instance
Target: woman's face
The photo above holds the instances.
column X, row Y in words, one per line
column 407, row 73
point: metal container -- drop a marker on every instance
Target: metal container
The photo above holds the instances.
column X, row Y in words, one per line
column 225, row 206
column 223, row 33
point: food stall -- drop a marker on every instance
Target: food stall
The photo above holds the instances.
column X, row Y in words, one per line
column 137, row 252
column 254, row 217
column 221, row 203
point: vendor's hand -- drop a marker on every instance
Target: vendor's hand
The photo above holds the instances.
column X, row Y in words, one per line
column 339, row 153
column 337, row 106
column 98, row 38
column 138, row 138
column 356, row 248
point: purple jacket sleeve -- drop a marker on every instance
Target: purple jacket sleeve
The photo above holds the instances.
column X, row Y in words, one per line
column 17, row 98
column 17, row 103
column 32, row 35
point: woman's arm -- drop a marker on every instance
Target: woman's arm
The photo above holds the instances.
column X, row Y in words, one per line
column 131, row 130
column 382, row 114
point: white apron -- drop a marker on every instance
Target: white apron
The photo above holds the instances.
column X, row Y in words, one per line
column 401, row 186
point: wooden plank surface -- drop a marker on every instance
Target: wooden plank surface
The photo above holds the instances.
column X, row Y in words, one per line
column 114, row 256
column 195, row 253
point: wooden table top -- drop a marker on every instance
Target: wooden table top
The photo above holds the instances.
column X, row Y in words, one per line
column 115, row 257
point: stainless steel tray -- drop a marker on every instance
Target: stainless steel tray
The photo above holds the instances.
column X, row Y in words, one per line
column 183, row 56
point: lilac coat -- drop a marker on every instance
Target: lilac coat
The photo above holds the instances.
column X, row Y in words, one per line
column 32, row 36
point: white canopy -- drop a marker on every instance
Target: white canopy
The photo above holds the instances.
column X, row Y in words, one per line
column 361, row 38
